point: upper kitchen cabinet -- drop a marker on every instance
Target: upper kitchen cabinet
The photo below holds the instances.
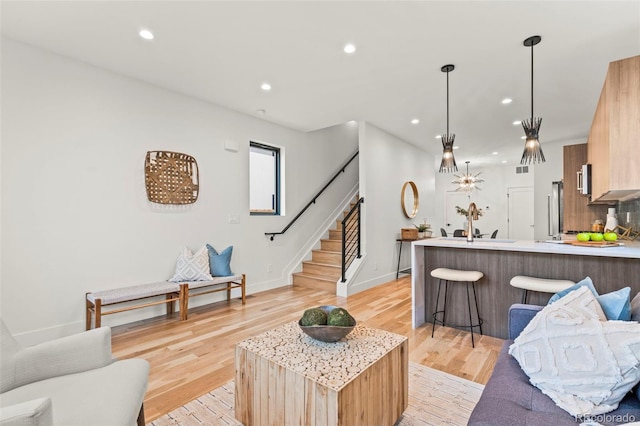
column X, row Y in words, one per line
column 578, row 215
column 612, row 146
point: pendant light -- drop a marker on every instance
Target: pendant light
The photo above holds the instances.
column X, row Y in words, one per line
column 532, row 149
column 468, row 182
column 448, row 163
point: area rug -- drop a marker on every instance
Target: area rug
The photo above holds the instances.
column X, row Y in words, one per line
column 435, row 398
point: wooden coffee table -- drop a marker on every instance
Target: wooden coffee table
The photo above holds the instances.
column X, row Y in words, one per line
column 284, row 377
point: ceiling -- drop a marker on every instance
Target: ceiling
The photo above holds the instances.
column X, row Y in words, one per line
column 222, row 51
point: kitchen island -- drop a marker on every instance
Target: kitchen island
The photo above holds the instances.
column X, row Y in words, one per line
column 610, row 268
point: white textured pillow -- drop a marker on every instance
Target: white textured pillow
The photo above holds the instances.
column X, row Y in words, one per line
column 635, row 308
column 572, row 354
column 192, row 267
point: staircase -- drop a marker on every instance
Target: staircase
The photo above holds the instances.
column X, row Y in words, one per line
column 325, row 267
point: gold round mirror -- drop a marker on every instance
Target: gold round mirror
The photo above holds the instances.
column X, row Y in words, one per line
column 409, row 200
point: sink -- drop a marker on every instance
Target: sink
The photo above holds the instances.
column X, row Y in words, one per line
column 479, row 240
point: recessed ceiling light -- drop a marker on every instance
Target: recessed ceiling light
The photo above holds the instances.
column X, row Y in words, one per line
column 261, row 112
column 507, row 101
column 517, row 123
column 494, row 153
column 415, row 121
column 503, row 161
column 349, row 48
column 146, row 34
column 523, row 137
column 456, row 147
column 438, row 136
column 266, row 87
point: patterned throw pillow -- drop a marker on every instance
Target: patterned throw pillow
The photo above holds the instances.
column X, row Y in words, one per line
column 635, row 308
column 616, row 305
column 583, row 362
column 192, row 267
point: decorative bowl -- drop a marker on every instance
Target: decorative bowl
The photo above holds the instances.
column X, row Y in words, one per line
column 326, row 333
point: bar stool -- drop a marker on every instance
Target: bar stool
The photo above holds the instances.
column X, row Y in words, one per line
column 542, row 285
column 455, row 275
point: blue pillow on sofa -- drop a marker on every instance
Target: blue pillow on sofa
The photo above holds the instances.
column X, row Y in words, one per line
column 616, row 305
column 220, row 263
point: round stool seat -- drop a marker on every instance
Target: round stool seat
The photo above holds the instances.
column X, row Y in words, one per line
column 456, row 275
column 540, row 284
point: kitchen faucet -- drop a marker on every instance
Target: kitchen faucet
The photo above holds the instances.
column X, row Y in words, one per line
column 472, row 214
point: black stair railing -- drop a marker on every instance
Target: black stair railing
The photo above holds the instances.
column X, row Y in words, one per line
column 351, row 237
column 313, row 200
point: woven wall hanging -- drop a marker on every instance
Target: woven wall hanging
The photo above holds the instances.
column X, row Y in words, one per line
column 171, row 177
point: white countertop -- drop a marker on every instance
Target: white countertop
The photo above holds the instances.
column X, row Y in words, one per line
column 630, row 249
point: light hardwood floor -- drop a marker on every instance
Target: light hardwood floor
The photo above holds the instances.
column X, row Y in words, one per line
column 189, row 358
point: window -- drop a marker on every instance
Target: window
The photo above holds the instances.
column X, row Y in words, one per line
column 264, row 179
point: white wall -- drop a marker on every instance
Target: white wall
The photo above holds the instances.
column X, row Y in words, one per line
column 386, row 163
column 75, row 216
column 492, row 197
column 497, row 181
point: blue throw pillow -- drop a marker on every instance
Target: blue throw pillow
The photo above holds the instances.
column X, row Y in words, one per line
column 220, row 263
column 616, row 305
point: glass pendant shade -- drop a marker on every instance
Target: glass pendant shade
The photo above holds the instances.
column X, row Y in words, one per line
column 532, row 153
column 448, row 163
column 532, row 149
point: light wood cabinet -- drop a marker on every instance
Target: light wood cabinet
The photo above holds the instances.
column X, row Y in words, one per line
column 598, row 149
column 612, row 147
column 578, row 214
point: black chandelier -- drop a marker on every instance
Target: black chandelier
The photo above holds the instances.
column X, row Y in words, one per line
column 448, row 163
column 532, row 149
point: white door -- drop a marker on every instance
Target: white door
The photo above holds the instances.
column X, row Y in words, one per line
column 521, row 213
column 453, row 220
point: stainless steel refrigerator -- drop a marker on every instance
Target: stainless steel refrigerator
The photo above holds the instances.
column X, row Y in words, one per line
column 555, row 210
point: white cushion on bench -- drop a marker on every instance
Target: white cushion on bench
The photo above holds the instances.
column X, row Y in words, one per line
column 216, row 280
column 140, row 291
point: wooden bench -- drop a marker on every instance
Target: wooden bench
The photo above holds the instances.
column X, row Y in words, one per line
column 182, row 292
column 187, row 290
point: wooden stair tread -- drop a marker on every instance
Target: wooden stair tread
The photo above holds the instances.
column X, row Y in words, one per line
column 311, row 262
column 326, row 251
column 315, row 277
column 324, row 268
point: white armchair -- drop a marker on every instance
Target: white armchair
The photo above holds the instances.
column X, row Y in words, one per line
column 70, row 381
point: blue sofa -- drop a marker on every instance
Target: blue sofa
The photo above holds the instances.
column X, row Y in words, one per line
column 509, row 398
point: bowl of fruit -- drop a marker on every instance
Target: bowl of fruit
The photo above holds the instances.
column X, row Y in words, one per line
column 327, row 323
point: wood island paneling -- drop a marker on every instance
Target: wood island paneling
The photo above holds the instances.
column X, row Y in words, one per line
column 495, row 294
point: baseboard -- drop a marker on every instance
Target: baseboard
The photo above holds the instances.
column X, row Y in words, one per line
column 30, row 338
column 373, row 282
column 34, row 337
column 342, row 288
